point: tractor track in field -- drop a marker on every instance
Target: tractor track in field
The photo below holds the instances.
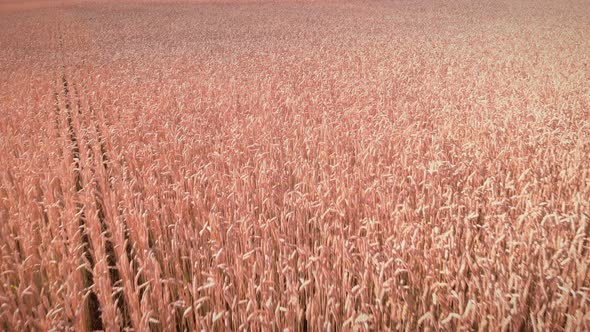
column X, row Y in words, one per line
column 93, row 303
column 114, row 274
column 70, row 95
column 104, row 159
column 101, row 142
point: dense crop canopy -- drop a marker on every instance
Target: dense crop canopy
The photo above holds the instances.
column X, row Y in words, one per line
column 301, row 165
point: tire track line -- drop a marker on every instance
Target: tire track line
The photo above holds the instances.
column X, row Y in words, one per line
column 94, row 308
column 111, row 256
column 94, row 305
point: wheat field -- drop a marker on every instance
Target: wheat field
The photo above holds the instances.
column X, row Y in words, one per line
column 295, row 165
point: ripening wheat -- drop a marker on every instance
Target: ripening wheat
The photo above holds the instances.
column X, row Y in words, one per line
column 300, row 165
